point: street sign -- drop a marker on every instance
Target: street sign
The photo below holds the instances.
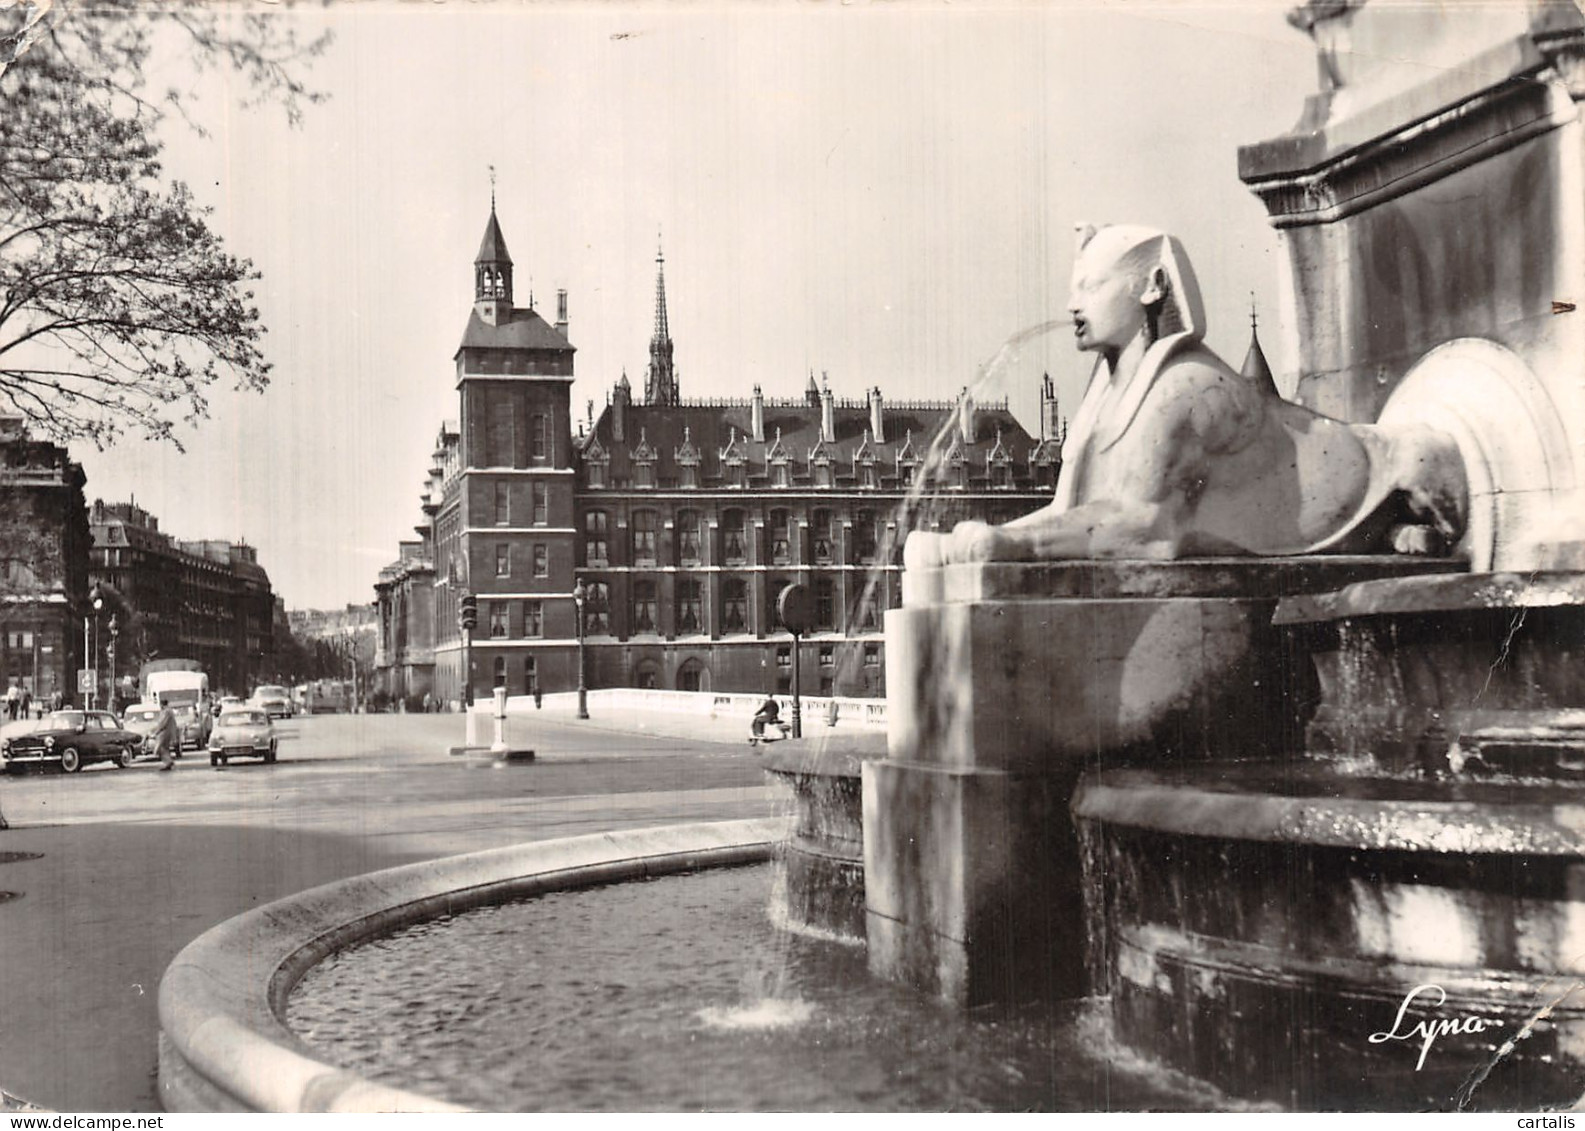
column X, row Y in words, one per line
column 796, row 609
column 87, row 680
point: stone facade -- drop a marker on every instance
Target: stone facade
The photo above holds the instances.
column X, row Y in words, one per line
column 208, row 601
column 681, row 519
column 44, row 544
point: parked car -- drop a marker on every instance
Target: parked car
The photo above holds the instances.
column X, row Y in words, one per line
column 242, row 732
column 273, row 701
column 73, row 739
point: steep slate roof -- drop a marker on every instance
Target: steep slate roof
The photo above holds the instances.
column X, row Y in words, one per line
column 492, row 249
column 710, row 427
column 525, row 330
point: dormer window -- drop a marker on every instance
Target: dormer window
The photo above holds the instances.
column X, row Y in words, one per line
column 734, row 457
column 864, row 464
column 595, row 464
column 687, row 458
column 999, row 465
column 907, row 460
column 643, row 462
column 780, row 463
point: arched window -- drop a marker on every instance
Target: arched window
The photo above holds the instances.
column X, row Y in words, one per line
column 644, row 527
column 734, row 546
column 530, row 675
column 693, row 676
column 690, row 543
column 648, row 675
column 734, row 605
column 500, row 672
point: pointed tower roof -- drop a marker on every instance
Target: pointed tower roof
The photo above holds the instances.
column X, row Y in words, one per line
column 492, row 249
column 660, row 383
column 662, row 324
column 1255, row 369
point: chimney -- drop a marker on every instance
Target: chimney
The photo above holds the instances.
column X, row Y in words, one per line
column 877, row 424
column 757, row 416
column 966, row 416
column 561, row 313
column 1050, row 418
column 620, row 399
column 828, row 414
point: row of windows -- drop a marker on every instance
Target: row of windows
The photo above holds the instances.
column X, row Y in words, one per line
column 690, row 677
column 822, row 474
column 688, row 605
column 869, row 533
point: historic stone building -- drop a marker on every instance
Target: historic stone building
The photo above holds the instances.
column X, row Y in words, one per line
column 681, row 520
column 44, row 544
column 208, row 601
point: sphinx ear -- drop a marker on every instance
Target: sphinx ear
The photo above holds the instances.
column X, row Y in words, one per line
column 1155, row 287
column 1083, row 234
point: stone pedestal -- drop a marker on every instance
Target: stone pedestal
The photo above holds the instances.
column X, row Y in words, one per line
column 1004, row 683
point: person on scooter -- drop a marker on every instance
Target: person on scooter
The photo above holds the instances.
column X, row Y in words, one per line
column 768, row 713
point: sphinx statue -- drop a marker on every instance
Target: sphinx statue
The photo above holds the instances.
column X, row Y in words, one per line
column 1174, row 454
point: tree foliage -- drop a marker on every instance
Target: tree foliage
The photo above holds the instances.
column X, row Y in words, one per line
column 119, row 306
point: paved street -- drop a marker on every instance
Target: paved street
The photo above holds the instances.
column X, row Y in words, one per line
column 135, row 863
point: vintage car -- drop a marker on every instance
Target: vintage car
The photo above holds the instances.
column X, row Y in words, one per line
column 242, row 732
column 140, row 719
column 273, row 701
column 73, row 739
column 192, row 726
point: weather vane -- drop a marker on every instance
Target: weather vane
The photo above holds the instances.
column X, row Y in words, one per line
column 492, row 188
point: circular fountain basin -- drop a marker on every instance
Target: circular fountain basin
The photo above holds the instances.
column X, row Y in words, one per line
column 223, row 1044
column 1280, row 930
column 681, row 994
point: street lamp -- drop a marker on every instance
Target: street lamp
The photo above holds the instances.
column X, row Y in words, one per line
column 115, row 631
column 579, row 596
column 96, row 601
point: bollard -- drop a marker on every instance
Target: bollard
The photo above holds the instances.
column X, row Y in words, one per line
column 500, row 722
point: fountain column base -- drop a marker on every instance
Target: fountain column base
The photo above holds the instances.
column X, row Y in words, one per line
column 968, row 895
column 1005, row 682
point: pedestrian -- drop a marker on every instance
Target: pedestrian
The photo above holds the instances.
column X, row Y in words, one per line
column 164, row 733
column 13, row 698
column 769, row 714
column 429, row 703
column 27, row 703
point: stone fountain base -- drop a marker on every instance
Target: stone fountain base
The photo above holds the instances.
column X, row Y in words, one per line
column 1291, row 936
column 822, row 889
column 1005, row 682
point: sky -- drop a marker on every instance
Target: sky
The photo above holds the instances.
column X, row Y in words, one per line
column 885, row 194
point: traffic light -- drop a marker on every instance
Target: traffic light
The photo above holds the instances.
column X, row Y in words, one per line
column 468, row 612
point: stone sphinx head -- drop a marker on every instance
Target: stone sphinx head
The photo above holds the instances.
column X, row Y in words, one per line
column 1131, row 283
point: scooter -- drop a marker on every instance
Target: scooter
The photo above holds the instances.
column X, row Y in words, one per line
column 770, row 732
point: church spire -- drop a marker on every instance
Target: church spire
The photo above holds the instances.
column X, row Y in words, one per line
column 492, row 269
column 660, row 385
column 1255, row 368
